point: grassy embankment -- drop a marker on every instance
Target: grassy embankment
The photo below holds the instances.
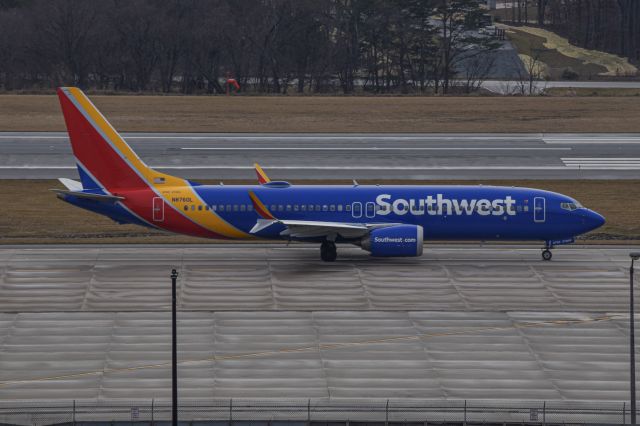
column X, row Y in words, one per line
column 335, row 114
column 40, row 218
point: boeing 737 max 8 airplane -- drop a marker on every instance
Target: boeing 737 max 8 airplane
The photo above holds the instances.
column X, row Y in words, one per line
column 384, row 220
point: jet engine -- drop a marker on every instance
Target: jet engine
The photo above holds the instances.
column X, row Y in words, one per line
column 394, row 241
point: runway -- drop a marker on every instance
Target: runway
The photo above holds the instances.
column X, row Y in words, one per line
column 269, row 321
column 346, row 156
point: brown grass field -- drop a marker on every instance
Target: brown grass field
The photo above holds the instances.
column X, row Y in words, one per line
column 31, row 214
column 335, row 113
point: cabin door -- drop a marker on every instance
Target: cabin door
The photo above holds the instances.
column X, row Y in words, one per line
column 539, row 210
column 158, row 209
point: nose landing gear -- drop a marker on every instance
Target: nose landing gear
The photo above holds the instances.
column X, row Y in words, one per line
column 328, row 251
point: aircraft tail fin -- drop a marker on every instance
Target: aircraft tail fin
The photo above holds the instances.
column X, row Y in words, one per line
column 262, row 176
column 105, row 160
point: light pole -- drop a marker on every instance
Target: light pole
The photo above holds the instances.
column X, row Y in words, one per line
column 632, row 344
column 174, row 352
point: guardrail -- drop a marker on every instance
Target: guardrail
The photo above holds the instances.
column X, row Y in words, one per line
column 306, row 412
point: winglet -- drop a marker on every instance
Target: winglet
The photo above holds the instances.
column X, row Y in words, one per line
column 260, row 208
column 262, row 176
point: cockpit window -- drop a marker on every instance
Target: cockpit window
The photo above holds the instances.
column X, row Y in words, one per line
column 571, row 206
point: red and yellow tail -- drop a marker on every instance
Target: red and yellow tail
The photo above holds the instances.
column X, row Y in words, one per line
column 99, row 149
column 106, row 162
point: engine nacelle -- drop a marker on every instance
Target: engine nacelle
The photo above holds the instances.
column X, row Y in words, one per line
column 394, row 241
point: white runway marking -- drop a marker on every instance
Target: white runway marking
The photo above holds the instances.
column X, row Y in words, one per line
column 306, row 167
column 298, row 137
column 373, row 148
column 602, row 163
column 593, row 140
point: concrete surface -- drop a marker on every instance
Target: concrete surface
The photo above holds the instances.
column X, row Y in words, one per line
column 322, row 354
column 271, row 322
column 342, row 156
column 262, row 277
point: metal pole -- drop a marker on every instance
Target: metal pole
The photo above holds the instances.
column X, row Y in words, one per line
column 632, row 346
column 465, row 412
column 174, row 352
column 386, row 414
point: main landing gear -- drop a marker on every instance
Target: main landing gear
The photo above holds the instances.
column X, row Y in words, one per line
column 328, row 251
column 546, row 252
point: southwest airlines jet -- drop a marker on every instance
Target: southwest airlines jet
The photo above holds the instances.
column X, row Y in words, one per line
column 383, row 220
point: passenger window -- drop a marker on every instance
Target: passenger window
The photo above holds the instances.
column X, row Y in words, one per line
column 243, row 207
column 310, row 207
column 303, row 207
column 235, row 207
column 273, row 207
column 221, row 207
column 339, row 207
column 193, row 207
column 228, row 207
column 317, row 207
column 250, row 208
column 288, row 207
column 200, row 207
column 348, row 207
column 296, row 207
column 280, row 208
column 332, row 207
column 325, row 208
column 186, row 208
column 526, row 208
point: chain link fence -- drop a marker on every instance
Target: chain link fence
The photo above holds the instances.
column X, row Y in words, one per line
column 305, row 412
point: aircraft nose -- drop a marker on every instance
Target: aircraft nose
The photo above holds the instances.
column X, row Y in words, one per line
column 593, row 220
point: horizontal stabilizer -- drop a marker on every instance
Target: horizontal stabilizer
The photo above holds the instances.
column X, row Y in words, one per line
column 70, row 184
column 88, row 195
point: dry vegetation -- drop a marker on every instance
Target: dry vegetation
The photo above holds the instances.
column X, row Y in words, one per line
column 38, row 217
column 558, row 54
column 335, row 114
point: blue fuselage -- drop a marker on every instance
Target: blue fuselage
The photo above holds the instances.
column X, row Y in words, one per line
column 445, row 212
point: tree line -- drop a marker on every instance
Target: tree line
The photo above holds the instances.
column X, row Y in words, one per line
column 269, row 46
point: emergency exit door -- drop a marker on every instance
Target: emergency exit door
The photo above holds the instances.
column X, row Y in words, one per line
column 539, row 213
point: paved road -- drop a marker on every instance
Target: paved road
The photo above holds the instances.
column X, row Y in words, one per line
column 342, row 156
column 506, row 87
column 461, row 322
column 263, row 277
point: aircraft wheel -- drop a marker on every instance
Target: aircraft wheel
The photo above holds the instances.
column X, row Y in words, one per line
column 328, row 251
column 546, row 254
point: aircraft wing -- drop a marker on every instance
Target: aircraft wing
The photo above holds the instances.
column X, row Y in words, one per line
column 312, row 229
